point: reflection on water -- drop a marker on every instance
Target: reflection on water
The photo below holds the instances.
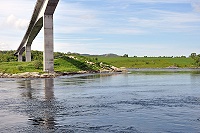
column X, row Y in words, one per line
column 26, row 84
column 40, row 113
column 48, row 88
column 135, row 103
column 84, row 79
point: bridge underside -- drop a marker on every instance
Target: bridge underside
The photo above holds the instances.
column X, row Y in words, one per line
column 42, row 17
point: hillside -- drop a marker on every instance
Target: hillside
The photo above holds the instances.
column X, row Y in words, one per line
column 76, row 63
column 63, row 63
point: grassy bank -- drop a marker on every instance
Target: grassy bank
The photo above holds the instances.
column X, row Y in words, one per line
column 75, row 63
column 18, row 67
column 148, row 62
column 67, row 63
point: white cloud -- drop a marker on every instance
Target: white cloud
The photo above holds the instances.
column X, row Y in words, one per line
column 21, row 23
column 168, row 21
column 16, row 14
column 122, row 30
column 196, row 5
column 78, row 39
column 64, row 29
column 12, row 21
column 4, row 46
column 73, row 18
column 153, row 1
column 79, row 18
column 20, row 7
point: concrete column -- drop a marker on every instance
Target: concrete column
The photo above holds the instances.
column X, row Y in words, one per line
column 19, row 57
column 48, row 57
column 28, row 53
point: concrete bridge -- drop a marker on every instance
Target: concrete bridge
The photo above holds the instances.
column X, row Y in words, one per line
column 42, row 17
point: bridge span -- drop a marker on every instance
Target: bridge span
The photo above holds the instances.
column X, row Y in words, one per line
column 42, row 17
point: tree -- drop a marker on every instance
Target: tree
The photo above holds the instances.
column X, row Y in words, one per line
column 196, row 58
column 193, row 55
column 37, row 55
column 7, row 56
column 125, row 55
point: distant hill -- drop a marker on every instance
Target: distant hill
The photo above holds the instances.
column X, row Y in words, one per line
column 103, row 55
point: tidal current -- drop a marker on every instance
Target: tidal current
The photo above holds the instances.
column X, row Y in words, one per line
column 102, row 103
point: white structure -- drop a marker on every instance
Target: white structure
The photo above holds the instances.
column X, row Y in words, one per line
column 42, row 16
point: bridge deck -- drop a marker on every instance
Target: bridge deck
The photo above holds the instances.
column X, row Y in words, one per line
column 35, row 14
column 42, row 17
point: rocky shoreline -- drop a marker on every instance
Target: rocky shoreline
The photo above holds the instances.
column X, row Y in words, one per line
column 56, row 74
column 29, row 75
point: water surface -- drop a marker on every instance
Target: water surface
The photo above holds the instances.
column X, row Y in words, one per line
column 135, row 103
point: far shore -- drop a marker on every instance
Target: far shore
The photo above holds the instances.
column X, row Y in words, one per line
column 164, row 69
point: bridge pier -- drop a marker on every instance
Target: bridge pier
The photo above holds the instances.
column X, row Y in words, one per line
column 28, row 53
column 41, row 17
column 48, row 57
column 19, row 57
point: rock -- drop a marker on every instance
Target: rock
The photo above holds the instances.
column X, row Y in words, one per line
column 90, row 63
column 1, row 75
column 15, row 76
column 172, row 67
column 82, row 72
column 35, row 75
column 123, row 69
column 44, row 75
column 5, row 75
column 48, row 75
column 105, row 71
column 24, row 75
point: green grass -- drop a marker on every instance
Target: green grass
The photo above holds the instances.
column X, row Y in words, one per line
column 149, row 62
column 62, row 64
column 66, row 64
column 18, row 67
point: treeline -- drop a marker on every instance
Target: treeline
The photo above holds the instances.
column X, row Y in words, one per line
column 196, row 58
column 8, row 56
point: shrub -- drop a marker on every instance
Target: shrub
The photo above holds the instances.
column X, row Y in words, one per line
column 37, row 64
column 19, row 68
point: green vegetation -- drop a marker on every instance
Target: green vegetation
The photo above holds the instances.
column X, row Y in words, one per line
column 196, row 58
column 148, row 62
column 62, row 63
column 72, row 62
column 18, row 67
column 37, row 64
column 7, row 56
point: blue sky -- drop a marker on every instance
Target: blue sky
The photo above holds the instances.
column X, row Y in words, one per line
column 133, row 27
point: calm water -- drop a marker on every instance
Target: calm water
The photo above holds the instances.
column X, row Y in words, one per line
column 119, row 103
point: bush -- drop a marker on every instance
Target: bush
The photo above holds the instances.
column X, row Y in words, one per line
column 37, row 64
column 19, row 68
